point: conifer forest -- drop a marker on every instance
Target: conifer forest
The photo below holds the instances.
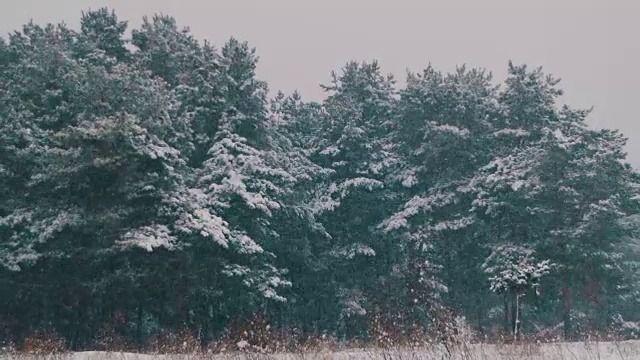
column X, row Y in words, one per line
column 151, row 184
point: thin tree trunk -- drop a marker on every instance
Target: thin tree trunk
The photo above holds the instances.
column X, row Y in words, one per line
column 514, row 310
column 204, row 332
column 516, row 327
column 506, row 314
column 139, row 326
column 479, row 313
column 566, row 307
column 182, row 293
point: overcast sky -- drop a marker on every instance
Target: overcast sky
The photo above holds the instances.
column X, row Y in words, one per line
column 593, row 45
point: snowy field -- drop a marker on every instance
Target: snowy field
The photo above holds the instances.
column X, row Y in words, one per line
column 557, row 351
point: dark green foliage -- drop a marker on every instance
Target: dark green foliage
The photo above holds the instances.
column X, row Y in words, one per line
column 155, row 188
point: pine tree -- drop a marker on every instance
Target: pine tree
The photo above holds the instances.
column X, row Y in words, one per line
column 356, row 116
column 150, row 187
column 100, row 168
column 100, row 29
column 240, row 179
column 166, row 50
column 544, row 189
column 442, row 135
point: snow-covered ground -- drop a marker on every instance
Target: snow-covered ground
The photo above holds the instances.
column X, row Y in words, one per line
column 626, row 350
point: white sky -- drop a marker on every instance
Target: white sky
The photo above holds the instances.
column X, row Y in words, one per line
column 593, row 45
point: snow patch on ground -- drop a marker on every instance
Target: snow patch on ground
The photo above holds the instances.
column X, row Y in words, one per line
column 627, row 350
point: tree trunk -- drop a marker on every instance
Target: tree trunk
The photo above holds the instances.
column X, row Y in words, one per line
column 139, row 326
column 181, row 293
column 566, row 307
column 516, row 326
column 204, row 332
column 506, row 324
column 514, row 310
column 479, row 313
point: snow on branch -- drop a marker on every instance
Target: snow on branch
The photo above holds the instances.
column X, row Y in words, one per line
column 149, row 238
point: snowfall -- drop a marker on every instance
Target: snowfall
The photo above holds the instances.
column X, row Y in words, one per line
column 555, row 351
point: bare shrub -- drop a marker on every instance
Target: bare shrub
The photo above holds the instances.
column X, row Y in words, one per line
column 167, row 343
column 8, row 348
column 109, row 340
column 253, row 334
column 40, row 343
column 387, row 332
column 256, row 335
column 319, row 343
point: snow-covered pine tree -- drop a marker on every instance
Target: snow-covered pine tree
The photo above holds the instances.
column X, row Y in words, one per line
column 241, row 180
column 148, row 190
column 514, row 272
column 586, row 185
column 296, row 134
column 556, row 186
column 441, row 139
column 357, row 116
column 100, row 29
column 99, row 141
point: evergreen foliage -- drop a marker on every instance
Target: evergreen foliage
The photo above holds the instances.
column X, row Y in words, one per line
column 150, row 185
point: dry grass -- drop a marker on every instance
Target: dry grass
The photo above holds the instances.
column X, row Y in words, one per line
column 625, row 350
column 255, row 340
